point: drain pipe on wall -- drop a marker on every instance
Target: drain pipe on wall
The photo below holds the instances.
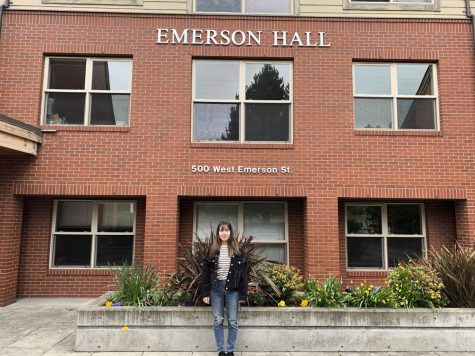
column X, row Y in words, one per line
column 4, row 4
column 469, row 13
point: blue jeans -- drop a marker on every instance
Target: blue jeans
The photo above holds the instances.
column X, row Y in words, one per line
column 218, row 297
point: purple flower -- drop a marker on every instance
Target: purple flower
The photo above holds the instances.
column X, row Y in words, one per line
column 116, row 304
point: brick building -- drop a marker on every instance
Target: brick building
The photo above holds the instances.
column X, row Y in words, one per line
column 128, row 127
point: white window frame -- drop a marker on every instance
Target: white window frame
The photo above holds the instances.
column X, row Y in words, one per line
column 87, row 88
column 240, row 227
column 384, row 234
column 93, row 233
column 293, row 5
column 395, row 96
column 242, row 101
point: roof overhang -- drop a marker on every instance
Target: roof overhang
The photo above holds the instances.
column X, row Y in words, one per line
column 16, row 137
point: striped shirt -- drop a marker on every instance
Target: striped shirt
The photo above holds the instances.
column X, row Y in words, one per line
column 224, row 262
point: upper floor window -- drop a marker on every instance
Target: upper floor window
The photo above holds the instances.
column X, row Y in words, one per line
column 245, row 6
column 396, row 96
column 86, row 91
column 380, row 236
column 237, row 101
column 91, row 234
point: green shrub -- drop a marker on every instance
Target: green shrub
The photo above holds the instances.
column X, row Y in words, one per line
column 416, row 286
column 135, row 285
column 327, row 294
column 367, row 296
column 286, row 279
column 457, row 270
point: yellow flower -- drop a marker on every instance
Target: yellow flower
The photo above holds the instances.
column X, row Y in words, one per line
column 108, row 303
column 304, row 303
column 362, row 284
column 281, row 304
column 125, row 328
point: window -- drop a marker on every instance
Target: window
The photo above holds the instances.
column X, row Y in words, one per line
column 87, row 91
column 266, row 221
column 236, row 101
column 392, row 5
column 92, row 234
column 399, row 96
column 245, row 6
column 380, row 236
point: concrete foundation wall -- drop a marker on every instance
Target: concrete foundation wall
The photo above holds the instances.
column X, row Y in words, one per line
column 277, row 329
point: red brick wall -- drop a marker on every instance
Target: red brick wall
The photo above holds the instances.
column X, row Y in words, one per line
column 328, row 158
column 440, row 231
column 35, row 277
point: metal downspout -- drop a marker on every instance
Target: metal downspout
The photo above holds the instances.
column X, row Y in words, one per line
column 4, row 5
column 469, row 13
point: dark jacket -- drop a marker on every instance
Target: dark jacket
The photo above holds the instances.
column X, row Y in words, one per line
column 237, row 277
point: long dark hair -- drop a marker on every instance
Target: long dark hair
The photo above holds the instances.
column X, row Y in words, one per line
column 233, row 246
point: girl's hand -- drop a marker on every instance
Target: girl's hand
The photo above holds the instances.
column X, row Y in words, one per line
column 206, row 300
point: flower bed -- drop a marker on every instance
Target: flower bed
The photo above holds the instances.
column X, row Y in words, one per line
column 101, row 328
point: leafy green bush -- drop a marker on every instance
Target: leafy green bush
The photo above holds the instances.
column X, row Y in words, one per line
column 135, row 285
column 367, row 296
column 416, row 286
column 286, row 279
column 327, row 294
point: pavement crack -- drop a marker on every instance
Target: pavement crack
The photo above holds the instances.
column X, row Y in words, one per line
column 64, row 338
column 19, row 338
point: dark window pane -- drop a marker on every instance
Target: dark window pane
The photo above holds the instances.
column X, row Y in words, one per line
column 403, row 249
column 365, row 252
column 267, row 122
column 65, row 108
column 216, row 122
column 110, row 109
column 114, row 250
column 267, row 81
column 416, row 113
column 115, row 217
column 414, row 79
column 268, row 6
column 74, row 216
column 363, row 220
column 67, row 73
column 372, row 80
column 218, row 5
column 373, row 113
column 72, row 250
column 404, row 219
column 110, row 75
column 217, row 80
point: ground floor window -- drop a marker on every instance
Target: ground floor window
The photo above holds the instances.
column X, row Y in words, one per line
column 266, row 221
column 92, row 234
column 379, row 236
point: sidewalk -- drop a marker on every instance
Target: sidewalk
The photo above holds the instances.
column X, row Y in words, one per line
column 46, row 326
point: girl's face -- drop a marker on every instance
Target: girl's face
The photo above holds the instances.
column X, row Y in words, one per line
column 224, row 233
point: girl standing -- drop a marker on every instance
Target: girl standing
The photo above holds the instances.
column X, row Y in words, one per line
column 224, row 281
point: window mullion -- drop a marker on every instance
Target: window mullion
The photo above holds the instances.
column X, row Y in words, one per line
column 94, row 233
column 241, row 218
column 394, row 95
column 88, row 88
column 243, row 6
column 384, row 217
column 242, row 98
